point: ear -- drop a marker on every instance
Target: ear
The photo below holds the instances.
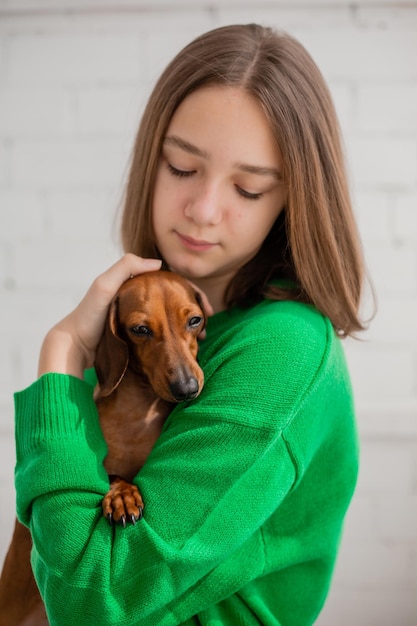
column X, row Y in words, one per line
column 200, row 304
column 112, row 355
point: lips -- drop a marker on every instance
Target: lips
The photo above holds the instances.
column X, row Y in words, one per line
column 195, row 244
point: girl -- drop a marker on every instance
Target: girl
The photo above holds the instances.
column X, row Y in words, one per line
column 237, row 182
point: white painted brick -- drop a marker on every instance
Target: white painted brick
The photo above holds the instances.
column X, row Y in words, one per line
column 109, row 111
column 156, row 4
column 28, row 351
column 393, row 268
column 343, row 100
column 164, row 43
column 21, row 214
column 4, row 166
column 386, row 469
column 362, row 54
column 382, row 373
column 176, row 18
column 287, row 16
column 387, row 107
column 82, row 215
column 374, row 566
column 70, row 264
column 74, row 59
column 112, row 22
column 3, row 59
column 25, row 332
column 7, row 456
column 45, row 306
column 395, row 15
column 7, row 495
column 7, row 365
column 360, row 519
column 395, row 321
column 395, row 421
column 4, row 270
column 25, row 347
column 6, row 265
column 60, row 181
column 362, row 606
column 82, row 163
column 396, row 519
column 386, row 162
column 405, row 217
column 413, row 567
column 35, row 112
column 7, row 463
column 373, row 212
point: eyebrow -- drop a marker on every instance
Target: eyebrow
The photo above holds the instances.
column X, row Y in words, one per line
column 174, row 140
column 259, row 170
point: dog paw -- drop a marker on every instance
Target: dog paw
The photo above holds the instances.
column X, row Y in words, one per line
column 123, row 503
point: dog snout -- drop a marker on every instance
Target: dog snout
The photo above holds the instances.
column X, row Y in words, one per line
column 186, row 389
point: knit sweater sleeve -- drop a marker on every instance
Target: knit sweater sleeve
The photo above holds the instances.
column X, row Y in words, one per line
column 218, row 471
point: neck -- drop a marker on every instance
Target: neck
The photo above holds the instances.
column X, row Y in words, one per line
column 214, row 290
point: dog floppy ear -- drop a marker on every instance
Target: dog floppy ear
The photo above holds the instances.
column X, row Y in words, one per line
column 199, row 300
column 112, row 354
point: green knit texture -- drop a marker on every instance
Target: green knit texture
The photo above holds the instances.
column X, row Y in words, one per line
column 245, row 491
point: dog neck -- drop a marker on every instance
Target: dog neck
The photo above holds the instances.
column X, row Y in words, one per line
column 131, row 419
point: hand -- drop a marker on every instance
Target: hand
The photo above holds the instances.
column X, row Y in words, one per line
column 69, row 347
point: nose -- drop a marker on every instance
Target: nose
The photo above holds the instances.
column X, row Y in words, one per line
column 185, row 389
column 205, row 206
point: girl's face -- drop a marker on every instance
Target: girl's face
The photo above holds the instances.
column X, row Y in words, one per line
column 218, row 187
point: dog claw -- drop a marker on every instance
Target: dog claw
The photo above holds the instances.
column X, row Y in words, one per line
column 133, row 519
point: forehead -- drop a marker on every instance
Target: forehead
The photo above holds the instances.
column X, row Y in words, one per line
column 228, row 122
column 148, row 294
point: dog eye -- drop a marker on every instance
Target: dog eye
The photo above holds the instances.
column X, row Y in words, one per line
column 195, row 321
column 140, row 330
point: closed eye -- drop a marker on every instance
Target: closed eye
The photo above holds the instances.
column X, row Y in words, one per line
column 247, row 194
column 180, row 173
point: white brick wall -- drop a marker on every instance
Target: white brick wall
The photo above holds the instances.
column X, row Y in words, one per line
column 74, row 75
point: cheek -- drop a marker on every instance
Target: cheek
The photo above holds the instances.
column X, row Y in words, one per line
column 167, row 198
column 161, row 203
column 160, row 189
column 252, row 225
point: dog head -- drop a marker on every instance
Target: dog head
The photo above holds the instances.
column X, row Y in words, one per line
column 152, row 328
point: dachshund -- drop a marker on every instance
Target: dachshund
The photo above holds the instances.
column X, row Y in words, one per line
column 146, row 362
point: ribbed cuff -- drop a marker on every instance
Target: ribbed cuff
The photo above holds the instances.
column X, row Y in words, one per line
column 53, row 407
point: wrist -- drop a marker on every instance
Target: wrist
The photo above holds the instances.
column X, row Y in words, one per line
column 61, row 355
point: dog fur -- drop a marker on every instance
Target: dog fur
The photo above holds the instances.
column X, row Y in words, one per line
column 146, row 358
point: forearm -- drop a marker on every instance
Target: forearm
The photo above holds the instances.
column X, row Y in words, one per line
column 59, row 443
column 171, row 560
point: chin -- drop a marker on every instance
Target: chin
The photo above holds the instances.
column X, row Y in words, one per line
column 187, row 270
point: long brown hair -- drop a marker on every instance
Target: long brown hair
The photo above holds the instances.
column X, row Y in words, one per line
column 314, row 244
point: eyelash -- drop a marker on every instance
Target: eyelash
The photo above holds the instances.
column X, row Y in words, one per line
column 247, row 195
column 180, row 173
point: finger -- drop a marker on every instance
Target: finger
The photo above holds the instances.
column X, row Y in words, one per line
column 129, row 265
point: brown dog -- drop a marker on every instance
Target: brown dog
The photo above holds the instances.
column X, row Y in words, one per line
column 145, row 363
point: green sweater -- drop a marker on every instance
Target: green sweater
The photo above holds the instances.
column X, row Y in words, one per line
column 245, row 491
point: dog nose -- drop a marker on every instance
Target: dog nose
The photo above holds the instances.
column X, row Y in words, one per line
column 184, row 389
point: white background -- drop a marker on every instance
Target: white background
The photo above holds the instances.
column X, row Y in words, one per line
column 74, row 77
